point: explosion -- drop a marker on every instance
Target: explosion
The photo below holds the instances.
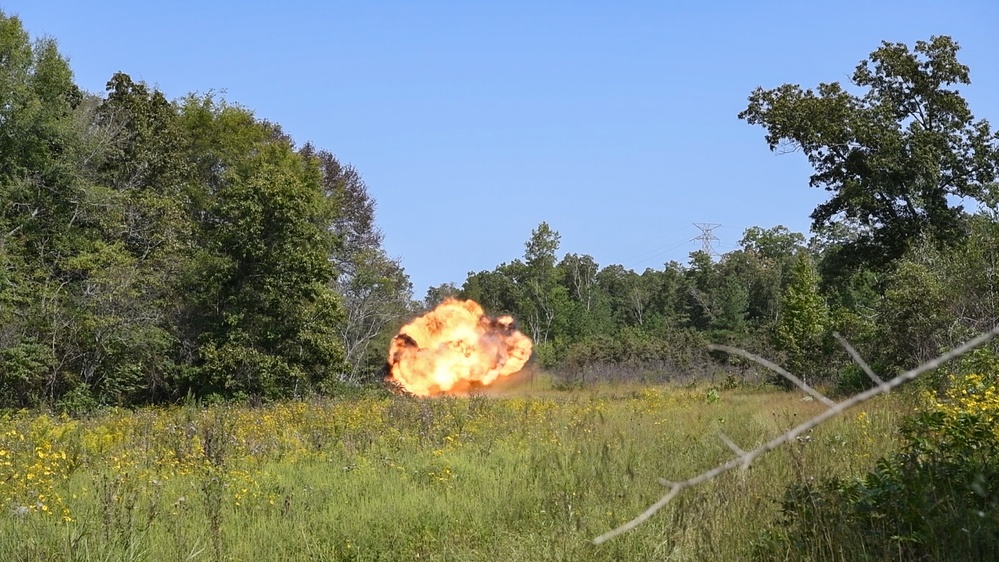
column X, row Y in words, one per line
column 456, row 348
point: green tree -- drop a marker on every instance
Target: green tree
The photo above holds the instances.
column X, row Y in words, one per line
column 732, row 304
column 912, row 317
column 972, row 277
column 764, row 263
column 803, row 320
column 41, row 192
column 374, row 290
column 150, row 248
column 669, row 288
column 773, row 245
column 143, row 226
column 702, row 277
column 718, row 298
column 619, row 284
column 579, row 276
column 263, row 271
column 895, row 156
column 439, row 293
column 497, row 291
column 544, row 297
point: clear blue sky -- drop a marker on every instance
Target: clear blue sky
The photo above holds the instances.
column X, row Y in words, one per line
column 471, row 122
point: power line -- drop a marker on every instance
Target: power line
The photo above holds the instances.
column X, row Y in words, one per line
column 641, row 251
column 657, row 254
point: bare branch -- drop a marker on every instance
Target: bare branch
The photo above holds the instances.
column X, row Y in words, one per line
column 834, row 410
column 775, row 368
column 857, row 358
column 731, row 444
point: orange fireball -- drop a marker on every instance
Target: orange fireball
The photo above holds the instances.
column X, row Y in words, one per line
column 456, row 348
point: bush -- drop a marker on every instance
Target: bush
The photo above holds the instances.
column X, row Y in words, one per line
column 22, row 374
column 677, row 351
column 937, row 499
column 852, row 380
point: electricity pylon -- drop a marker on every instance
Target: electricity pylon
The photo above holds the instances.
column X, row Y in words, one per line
column 707, row 236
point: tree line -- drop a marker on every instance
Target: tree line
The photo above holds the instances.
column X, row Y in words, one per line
column 778, row 295
column 902, row 260
column 154, row 250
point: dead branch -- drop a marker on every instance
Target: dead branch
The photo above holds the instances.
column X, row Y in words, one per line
column 746, row 458
column 777, row 369
column 857, row 358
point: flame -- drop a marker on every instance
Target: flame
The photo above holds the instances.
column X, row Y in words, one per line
column 456, row 348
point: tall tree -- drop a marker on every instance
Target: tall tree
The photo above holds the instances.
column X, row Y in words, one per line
column 731, row 301
column 544, row 296
column 893, row 157
column 263, row 270
column 773, row 245
column 973, row 276
column 702, row 277
column 130, row 297
column 497, row 291
column 439, row 293
column 374, row 289
column 803, row 318
column 579, row 276
column 669, row 289
column 40, row 193
column 765, row 262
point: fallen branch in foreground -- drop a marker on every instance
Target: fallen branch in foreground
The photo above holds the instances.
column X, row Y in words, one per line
column 745, row 458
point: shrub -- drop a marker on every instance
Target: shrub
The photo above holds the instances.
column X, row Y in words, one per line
column 936, row 499
column 22, row 373
column 852, row 380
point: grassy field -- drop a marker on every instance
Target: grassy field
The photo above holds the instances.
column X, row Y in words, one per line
column 532, row 476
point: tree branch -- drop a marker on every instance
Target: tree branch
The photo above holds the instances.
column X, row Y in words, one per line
column 857, row 358
column 777, row 369
column 747, row 458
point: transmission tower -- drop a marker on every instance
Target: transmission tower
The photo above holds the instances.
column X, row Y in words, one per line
column 707, row 236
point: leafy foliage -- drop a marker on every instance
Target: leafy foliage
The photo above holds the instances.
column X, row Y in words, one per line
column 891, row 157
column 152, row 249
column 936, row 499
column 803, row 318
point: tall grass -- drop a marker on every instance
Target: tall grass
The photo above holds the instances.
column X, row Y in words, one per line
column 398, row 478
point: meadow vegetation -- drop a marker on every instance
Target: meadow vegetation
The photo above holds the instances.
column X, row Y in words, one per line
column 935, row 498
column 533, row 476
